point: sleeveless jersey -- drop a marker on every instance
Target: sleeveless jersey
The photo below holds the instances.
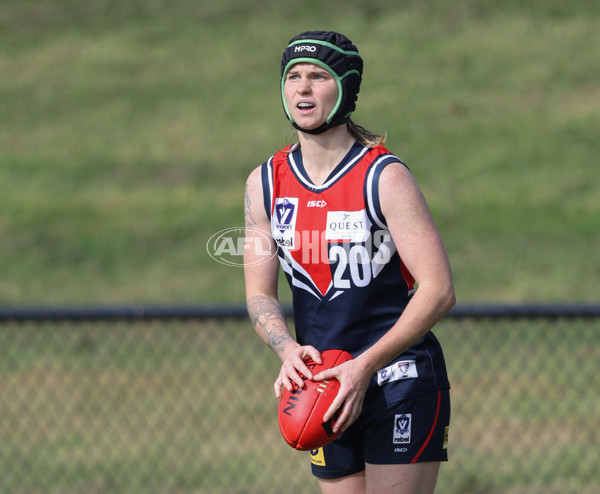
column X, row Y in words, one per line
column 348, row 283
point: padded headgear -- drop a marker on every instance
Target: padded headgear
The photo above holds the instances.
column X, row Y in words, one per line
column 335, row 53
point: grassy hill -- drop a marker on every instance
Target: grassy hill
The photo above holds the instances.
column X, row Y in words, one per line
column 127, row 130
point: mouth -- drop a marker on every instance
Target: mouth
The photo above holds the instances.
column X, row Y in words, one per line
column 305, row 106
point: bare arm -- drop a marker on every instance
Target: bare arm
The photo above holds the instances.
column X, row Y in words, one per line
column 261, row 275
column 422, row 251
column 268, row 320
column 260, row 272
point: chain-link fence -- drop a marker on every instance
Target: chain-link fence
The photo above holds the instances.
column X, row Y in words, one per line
column 187, row 407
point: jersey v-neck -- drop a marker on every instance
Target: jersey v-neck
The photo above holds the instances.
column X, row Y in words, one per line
column 344, row 166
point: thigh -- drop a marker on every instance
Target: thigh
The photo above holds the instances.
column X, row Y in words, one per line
column 411, row 478
column 350, row 484
column 341, row 458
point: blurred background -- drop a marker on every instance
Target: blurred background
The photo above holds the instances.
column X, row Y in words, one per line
column 127, row 131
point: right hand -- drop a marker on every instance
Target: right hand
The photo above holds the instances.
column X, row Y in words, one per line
column 293, row 365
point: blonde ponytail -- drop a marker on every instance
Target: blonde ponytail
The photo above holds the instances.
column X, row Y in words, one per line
column 364, row 136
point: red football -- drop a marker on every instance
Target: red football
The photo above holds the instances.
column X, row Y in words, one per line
column 301, row 410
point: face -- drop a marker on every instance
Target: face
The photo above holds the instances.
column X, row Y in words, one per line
column 311, row 94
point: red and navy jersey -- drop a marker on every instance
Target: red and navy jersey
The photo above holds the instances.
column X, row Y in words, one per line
column 348, row 282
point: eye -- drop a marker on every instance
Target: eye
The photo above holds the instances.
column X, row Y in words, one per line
column 321, row 76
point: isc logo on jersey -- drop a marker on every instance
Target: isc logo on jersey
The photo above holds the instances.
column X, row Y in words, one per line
column 283, row 221
column 316, row 204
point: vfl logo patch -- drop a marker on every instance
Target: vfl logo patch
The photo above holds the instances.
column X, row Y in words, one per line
column 406, row 369
column 402, row 428
column 283, row 221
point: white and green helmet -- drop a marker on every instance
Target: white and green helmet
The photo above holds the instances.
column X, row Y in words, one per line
column 335, row 53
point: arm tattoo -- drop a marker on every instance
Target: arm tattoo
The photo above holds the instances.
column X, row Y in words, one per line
column 268, row 319
column 250, row 221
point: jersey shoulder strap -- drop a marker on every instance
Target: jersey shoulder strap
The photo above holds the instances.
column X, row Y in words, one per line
column 381, row 159
column 267, row 174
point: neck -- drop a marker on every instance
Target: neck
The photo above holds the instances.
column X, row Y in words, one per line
column 322, row 152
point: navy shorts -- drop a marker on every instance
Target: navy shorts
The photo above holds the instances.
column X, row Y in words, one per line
column 410, row 431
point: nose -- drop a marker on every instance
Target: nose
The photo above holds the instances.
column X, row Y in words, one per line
column 304, row 86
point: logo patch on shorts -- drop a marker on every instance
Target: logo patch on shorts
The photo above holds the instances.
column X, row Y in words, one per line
column 406, row 369
column 402, row 428
column 446, row 437
column 317, row 457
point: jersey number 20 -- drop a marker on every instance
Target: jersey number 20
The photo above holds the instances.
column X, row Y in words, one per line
column 357, row 258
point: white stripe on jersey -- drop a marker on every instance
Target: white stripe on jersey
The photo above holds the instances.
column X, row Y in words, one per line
column 339, row 292
column 290, row 266
column 329, row 182
column 270, row 176
column 377, row 263
column 371, row 187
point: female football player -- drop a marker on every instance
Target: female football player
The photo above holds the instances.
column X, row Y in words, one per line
column 368, row 272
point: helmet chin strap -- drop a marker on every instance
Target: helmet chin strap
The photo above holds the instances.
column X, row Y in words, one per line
column 322, row 128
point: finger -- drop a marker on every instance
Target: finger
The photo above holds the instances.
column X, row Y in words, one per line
column 333, row 408
column 346, row 418
column 325, row 374
column 290, row 374
column 286, row 379
column 305, row 371
column 343, row 421
column 332, row 372
column 303, row 368
column 314, row 354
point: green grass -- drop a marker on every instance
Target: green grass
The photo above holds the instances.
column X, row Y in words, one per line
column 127, row 130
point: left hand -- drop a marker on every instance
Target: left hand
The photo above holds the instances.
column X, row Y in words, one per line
column 354, row 382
